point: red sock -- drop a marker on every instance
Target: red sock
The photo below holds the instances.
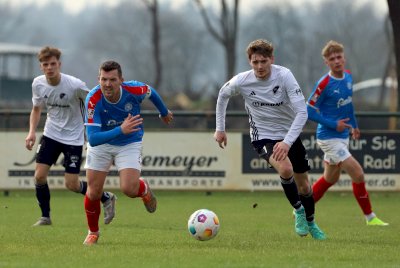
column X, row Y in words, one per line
column 361, row 194
column 92, row 209
column 142, row 187
column 319, row 188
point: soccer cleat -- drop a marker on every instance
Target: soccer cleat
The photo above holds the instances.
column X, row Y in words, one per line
column 149, row 200
column 301, row 225
column 43, row 221
column 315, row 231
column 375, row 221
column 91, row 238
column 109, row 208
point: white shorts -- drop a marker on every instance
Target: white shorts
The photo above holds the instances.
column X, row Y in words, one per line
column 335, row 150
column 101, row 157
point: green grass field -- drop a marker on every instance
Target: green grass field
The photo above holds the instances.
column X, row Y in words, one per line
column 249, row 237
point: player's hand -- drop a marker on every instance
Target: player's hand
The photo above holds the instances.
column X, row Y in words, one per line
column 355, row 133
column 168, row 118
column 30, row 141
column 280, row 151
column 131, row 124
column 221, row 138
column 342, row 125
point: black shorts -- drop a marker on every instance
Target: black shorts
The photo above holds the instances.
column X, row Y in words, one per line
column 297, row 153
column 49, row 150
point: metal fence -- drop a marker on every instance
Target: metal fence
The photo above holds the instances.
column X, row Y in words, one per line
column 18, row 120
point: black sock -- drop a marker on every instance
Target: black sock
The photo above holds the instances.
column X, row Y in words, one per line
column 104, row 197
column 309, row 205
column 290, row 189
column 43, row 198
column 83, row 187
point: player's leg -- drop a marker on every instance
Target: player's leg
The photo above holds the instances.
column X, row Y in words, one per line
column 47, row 154
column 42, row 193
column 128, row 163
column 330, row 177
column 98, row 163
column 355, row 171
column 92, row 198
column 72, row 165
column 298, row 157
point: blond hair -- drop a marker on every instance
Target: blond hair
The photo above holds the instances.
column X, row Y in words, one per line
column 332, row 47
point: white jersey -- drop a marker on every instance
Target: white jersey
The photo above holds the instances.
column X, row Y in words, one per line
column 65, row 104
column 276, row 105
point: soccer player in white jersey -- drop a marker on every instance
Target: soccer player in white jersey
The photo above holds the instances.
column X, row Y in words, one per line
column 63, row 96
column 115, row 132
column 331, row 106
column 277, row 113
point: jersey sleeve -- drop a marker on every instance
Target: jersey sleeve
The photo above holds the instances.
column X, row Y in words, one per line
column 82, row 90
column 228, row 90
column 37, row 99
column 315, row 100
column 293, row 89
column 157, row 101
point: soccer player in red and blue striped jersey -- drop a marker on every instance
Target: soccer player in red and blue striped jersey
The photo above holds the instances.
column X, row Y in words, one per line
column 115, row 131
column 331, row 106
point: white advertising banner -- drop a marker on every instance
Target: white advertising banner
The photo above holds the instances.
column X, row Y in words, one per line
column 193, row 161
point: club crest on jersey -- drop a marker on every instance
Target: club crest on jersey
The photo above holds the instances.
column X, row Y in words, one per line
column 275, row 89
column 128, row 107
column 349, row 85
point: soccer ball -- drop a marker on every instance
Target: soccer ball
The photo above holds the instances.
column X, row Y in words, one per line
column 203, row 224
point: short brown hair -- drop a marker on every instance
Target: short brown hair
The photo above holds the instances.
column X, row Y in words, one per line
column 332, row 47
column 260, row 46
column 110, row 65
column 48, row 52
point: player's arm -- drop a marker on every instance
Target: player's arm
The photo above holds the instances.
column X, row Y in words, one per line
column 34, row 119
column 165, row 114
column 228, row 90
column 97, row 137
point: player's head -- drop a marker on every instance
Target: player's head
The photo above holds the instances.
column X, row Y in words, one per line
column 49, row 58
column 260, row 54
column 333, row 54
column 110, row 79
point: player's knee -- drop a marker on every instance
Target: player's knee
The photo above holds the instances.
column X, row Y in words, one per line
column 40, row 179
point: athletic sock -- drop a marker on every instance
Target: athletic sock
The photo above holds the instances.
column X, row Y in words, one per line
column 43, row 198
column 142, row 188
column 309, row 205
column 104, row 197
column 83, row 187
column 290, row 189
column 362, row 197
column 92, row 209
column 319, row 188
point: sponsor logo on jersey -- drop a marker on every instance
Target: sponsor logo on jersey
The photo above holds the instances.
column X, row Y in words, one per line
column 343, row 102
column 252, row 93
column 261, row 104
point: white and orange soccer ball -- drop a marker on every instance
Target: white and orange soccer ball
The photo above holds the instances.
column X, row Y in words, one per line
column 203, row 224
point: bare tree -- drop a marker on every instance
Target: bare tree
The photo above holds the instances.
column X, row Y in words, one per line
column 152, row 6
column 227, row 35
column 394, row 13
